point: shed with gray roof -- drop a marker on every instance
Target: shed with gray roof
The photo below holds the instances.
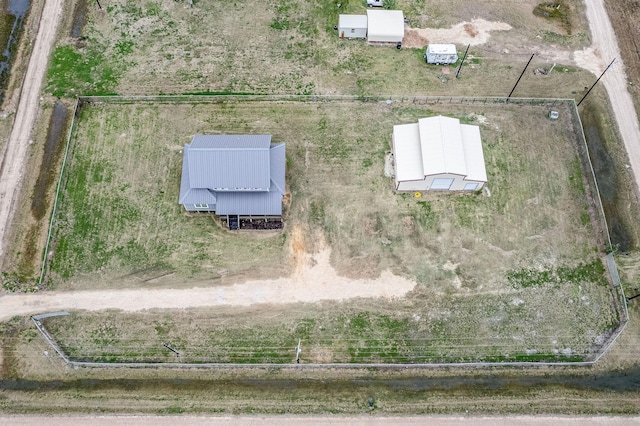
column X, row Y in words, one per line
column 233, row 175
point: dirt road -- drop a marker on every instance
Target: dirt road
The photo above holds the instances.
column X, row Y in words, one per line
column 14, row 157
column 602, row 51
column 313, row 281
column 325, row 421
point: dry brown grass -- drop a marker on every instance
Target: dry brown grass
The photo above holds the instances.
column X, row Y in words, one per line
column 290, row 47
column 460, row 249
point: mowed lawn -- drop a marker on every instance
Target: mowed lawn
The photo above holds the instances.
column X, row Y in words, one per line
column 515, row 273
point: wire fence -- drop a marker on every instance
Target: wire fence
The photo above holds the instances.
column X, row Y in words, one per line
column 52, row 219
column 420, row 100
column 590, row 181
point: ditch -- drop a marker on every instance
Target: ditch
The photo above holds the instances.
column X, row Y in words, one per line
column 611, row 183
column 11, row 26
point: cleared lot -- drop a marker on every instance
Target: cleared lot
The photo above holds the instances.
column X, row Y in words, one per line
column 518, row 268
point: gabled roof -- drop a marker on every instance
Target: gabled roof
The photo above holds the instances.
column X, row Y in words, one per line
column 407, row 152
column 441, row 142
column 438, row 145
column 352, row 21
column 385, row 24
column 239, row 174
column 474, row 157
column 229, row 162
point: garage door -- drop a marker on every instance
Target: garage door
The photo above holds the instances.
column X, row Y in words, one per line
column 441, row 183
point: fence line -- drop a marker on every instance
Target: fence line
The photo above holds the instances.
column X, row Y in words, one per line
column 216, row 98
column 55, row 200
column 616, row 288
column 36, row 320
column 577, row 122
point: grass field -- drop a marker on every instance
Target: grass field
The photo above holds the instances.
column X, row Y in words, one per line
column 288, row 46
column 519, row 268
column 524, row 291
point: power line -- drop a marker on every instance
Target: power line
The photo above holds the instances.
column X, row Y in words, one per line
column 525, row 68
column 596, row 82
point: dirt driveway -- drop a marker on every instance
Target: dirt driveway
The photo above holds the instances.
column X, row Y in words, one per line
column 316, row 283
column 313, row 280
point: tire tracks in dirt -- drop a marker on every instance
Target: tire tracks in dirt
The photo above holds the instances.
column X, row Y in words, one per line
column 16, row 150
column 603, row 49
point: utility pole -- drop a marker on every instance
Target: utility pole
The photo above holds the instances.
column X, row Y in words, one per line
column 462, row 62
column 525, row 68
column 298, row 351
column 99, row 7
column 593, row 85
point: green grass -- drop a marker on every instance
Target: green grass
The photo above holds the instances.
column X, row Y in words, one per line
column 82, row 72
column 517, row 263
column 290, row 46
column 339, row 333
column 563, row 275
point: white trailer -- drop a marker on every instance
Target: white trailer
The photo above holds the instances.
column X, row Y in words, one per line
column 352, row 26
column 441, row 54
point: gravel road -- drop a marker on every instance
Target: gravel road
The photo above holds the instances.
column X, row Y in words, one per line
column 604, row 49
column 14, row 157
column 325, row 421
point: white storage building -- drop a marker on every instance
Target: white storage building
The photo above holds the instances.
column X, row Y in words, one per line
column 385, row 26
column 352, row 26
column 441, row 54
column 438, row 153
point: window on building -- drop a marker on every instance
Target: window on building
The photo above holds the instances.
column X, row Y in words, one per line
column 442, row 183
column 201, row 206
column 471, row 187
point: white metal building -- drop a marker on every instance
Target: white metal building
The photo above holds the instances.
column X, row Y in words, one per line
column 438, row 153
column 441, row 54
column 352, row 26
column 385, row 26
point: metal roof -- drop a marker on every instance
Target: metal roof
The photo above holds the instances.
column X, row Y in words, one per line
column 407, row 152
column 473, row 155
column 198, row 196
column 231, row 141
column 352, row 21
column 278, row 162
column 438, row 145
column 385, row 25
column 441, row 142
column 250, row 203
column 240, row 174
column 229, row 162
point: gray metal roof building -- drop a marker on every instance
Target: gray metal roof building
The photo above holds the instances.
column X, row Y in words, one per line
column 233, row 175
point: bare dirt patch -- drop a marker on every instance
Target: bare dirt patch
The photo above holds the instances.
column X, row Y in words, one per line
column 317, row 280
column 348, row 235
column 475, row 32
